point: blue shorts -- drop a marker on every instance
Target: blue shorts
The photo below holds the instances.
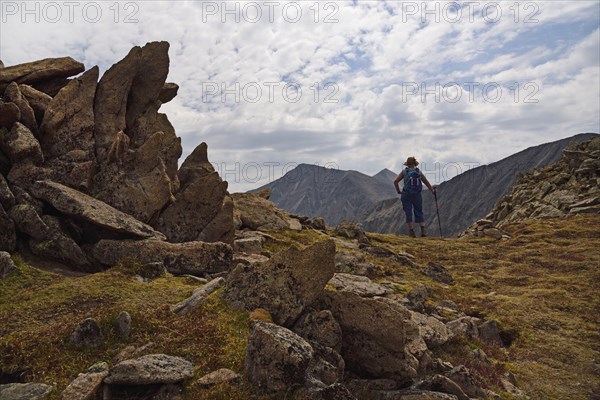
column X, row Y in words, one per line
column 410, row 202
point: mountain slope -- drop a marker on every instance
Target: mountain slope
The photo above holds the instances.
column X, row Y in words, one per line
column 333, row 194
column 372, row 201
column 468, row 196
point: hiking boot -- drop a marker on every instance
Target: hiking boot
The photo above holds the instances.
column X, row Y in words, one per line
column 423, row 234
column 411, row 233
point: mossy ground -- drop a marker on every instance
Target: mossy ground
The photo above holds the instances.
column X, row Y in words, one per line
column 39, row 310
column 541, row 285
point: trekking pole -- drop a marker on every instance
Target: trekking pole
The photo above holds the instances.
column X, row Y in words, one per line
column 438, row 212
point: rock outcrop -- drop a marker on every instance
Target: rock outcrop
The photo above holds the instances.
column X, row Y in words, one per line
column 255, row 212
column 84, row 160
column 150, row 369
column 568, row 187
column 276, row 358
column 286, row 284
column 194, row 258
column 40, row 71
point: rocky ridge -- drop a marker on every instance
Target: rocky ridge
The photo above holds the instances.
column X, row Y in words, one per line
column 88, row 162
column 568, row 187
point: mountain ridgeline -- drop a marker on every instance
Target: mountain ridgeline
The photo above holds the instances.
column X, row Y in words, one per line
column 372, row 201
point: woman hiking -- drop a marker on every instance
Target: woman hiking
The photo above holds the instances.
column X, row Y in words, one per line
column 411, row 194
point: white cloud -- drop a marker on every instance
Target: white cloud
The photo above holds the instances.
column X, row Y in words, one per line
column 373, row 53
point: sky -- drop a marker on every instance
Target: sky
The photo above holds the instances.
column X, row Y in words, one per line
column 354, row 85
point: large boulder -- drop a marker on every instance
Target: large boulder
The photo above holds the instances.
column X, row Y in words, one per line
column 69, row 119
column 136, row 146
column 141, row 117
column 276, row 358
column 254, row 212
column 380, row 339
column 198, row 201
column 194, row 258
column 48, row 238
column 42, row 70
column 150, row 369
column 110, row 106
column 20, row 145
column 290, row 281
column 81, row 206
column 221, row 228
column 135, row 181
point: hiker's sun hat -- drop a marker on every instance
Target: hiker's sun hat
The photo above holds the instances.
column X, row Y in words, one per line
column 411, row 161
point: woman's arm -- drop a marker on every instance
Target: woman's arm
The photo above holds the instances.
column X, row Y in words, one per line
column 426, row 182
column 397, row 180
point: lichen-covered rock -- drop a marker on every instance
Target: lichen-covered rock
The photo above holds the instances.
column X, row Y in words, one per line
column 199, row 296
column 139, row 185
column 37, row 100
column 141, row 180
column 466, row 327
column 437, row 272
column 320, row 327
column 79, row 205
column 467, row 381
column 489, row 332
column 276, row 358
column 256, row 213
column 20, row 145
column 198, row 201
column 25, row 391
column 218, row 377
column 433, row 331
column 42, row 70
column 379, row 337
column 85, row 386
column 249, row 245
column 361, row 285
column 150, row 369
column 69, row 118
column 290, row 281
column 194, row 258
column 48, row 238
column 110, row 106
column 440, row 383
column 87, row 334
column 221, row 228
